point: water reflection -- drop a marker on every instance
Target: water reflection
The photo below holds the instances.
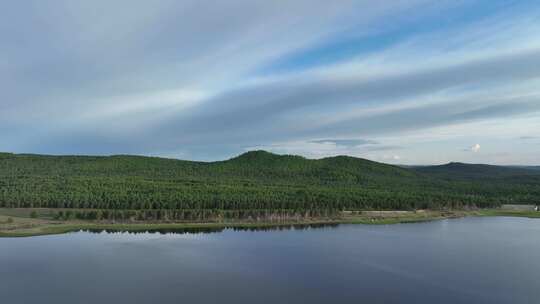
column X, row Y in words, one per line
column 470, row 260
column 209, row 230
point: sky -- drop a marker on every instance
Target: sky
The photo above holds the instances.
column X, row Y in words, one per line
column 405, row 82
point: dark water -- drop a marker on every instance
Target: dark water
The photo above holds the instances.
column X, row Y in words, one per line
column 472, row 260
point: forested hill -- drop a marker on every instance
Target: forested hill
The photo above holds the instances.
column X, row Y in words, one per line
column 477, row 171
column 256, row 180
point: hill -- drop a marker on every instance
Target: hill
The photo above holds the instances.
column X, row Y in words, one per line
column 477, row 171
column 256, row 180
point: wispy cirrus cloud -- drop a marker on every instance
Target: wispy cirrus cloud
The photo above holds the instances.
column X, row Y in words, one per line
column 346, row 142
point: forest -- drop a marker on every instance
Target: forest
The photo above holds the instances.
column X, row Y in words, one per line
column 254, row 184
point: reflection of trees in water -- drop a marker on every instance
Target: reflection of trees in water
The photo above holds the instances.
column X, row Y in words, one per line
column 207, row 230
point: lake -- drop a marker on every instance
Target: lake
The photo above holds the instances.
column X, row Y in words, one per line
column 468, row 260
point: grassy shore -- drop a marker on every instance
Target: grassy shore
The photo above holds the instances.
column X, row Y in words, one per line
column 34, row 222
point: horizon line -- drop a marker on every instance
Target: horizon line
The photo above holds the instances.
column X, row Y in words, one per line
column 250, row 151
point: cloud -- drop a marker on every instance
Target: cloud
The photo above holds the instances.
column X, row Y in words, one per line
column 346, row 142
column 475, row 148
column 528, row 137
column 391, row 157
column 204, row 81
column 384, row 148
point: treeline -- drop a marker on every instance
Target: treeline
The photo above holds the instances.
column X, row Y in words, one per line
column 194, row 215
column 243, row 198
column 253, row 181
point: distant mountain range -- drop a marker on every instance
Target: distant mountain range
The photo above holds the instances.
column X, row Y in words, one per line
column 463, row 170
column 527, row 167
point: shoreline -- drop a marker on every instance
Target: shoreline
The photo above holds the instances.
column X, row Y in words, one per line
column 28, row 227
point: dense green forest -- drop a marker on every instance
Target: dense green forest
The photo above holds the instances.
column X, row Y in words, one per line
column 254, row 184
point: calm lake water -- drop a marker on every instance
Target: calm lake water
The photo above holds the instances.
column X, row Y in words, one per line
column 470, row 260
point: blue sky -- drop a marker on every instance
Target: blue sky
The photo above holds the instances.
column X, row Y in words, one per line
column 409, row 82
